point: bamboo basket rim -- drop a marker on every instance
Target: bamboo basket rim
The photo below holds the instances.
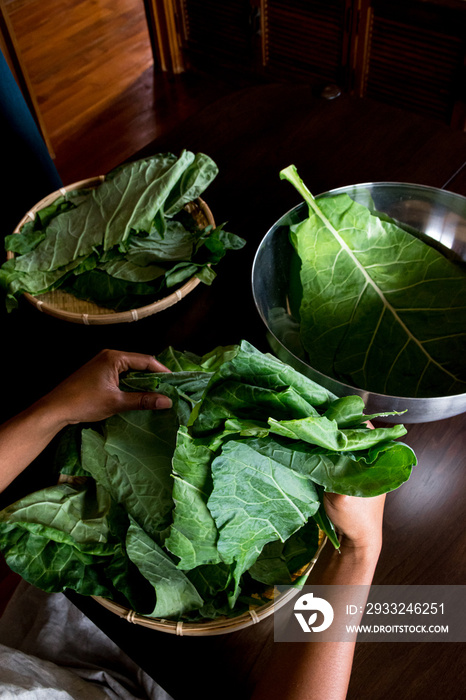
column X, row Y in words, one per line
column 211, row 627
column 107, row 316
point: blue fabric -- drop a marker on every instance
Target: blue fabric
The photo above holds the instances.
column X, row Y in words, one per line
column 28, row 171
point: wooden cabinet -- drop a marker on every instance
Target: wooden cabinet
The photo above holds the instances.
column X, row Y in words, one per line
column 409, row 53
column 413, row 55
column 307, row 40
column 223, row 33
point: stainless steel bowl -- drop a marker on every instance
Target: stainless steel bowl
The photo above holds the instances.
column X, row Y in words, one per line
column 438, row 215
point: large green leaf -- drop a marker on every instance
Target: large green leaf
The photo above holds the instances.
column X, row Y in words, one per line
column 279, row 560
column 368, row 472
column 256, row 500
column 175, row 594
column 65, row 513
column 185, row 387
column 381, row 309
column 194, row 180
column 127, row 270
column 133, row 461
column 381, row 470
column 348, row 411
column 324, row 522
column 72, row 537
column 126, row 201
column 178, row 361
column 110, row 292
column 36, row 281
column 193, row 534
column 251, row 385
column 320, row 431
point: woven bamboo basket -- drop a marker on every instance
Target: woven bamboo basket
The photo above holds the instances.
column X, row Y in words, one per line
column 68, row 308
column 223, row 625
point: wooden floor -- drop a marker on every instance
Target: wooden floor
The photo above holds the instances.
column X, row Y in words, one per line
column 91, row 66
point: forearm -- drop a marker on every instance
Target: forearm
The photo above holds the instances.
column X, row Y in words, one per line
column 319, row 670
column 91, row 394
column 23, row 438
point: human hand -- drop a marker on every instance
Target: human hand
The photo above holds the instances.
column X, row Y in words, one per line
column 357, row 520
column 92, row 393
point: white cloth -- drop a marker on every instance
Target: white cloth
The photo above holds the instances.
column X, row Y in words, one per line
column 49, row 650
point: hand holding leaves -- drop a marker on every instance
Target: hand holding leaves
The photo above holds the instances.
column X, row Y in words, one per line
column 92, row 393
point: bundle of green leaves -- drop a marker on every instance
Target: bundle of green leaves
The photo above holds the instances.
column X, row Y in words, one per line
column 380, row 308
column 124, row 243
column 187, row 513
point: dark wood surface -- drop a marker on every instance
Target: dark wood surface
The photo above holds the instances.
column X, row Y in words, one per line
column 252, row 135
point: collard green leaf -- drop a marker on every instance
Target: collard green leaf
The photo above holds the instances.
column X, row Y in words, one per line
column 185, row 270
column 110, row 292
column 217, row 242
column 185, row 388
column 27, row 241
column 348, row 411
column 369, row 474
column 175, row 594
column 233, row 398
column 67, row 457
column 254, row 383
column 326, row 525
column 381, row 309
column 187, row 383
column 64, row 537
column 211, row 581
column 175, row 243
column 255, row 500
column 193, row 182
column 178, row 361
column 124, row 269
column 144, row 441
column 32, row 233
column 193, row 534
column 365, row 473
column 65, row 513
column 54, row 566
column 133, row 461
column 36, row 281
column 126, row 201
column 320, row 431
column 279, row 560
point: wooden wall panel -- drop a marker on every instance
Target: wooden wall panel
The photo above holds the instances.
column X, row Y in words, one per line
column 221, row 31
column 415, row 61
column 408, row 53
column 306, row 39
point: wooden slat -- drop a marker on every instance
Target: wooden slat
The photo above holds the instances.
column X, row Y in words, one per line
column 305, row 38
column 414, row 66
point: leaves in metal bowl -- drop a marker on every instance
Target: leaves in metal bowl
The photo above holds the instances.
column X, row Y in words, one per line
column 381, row 310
